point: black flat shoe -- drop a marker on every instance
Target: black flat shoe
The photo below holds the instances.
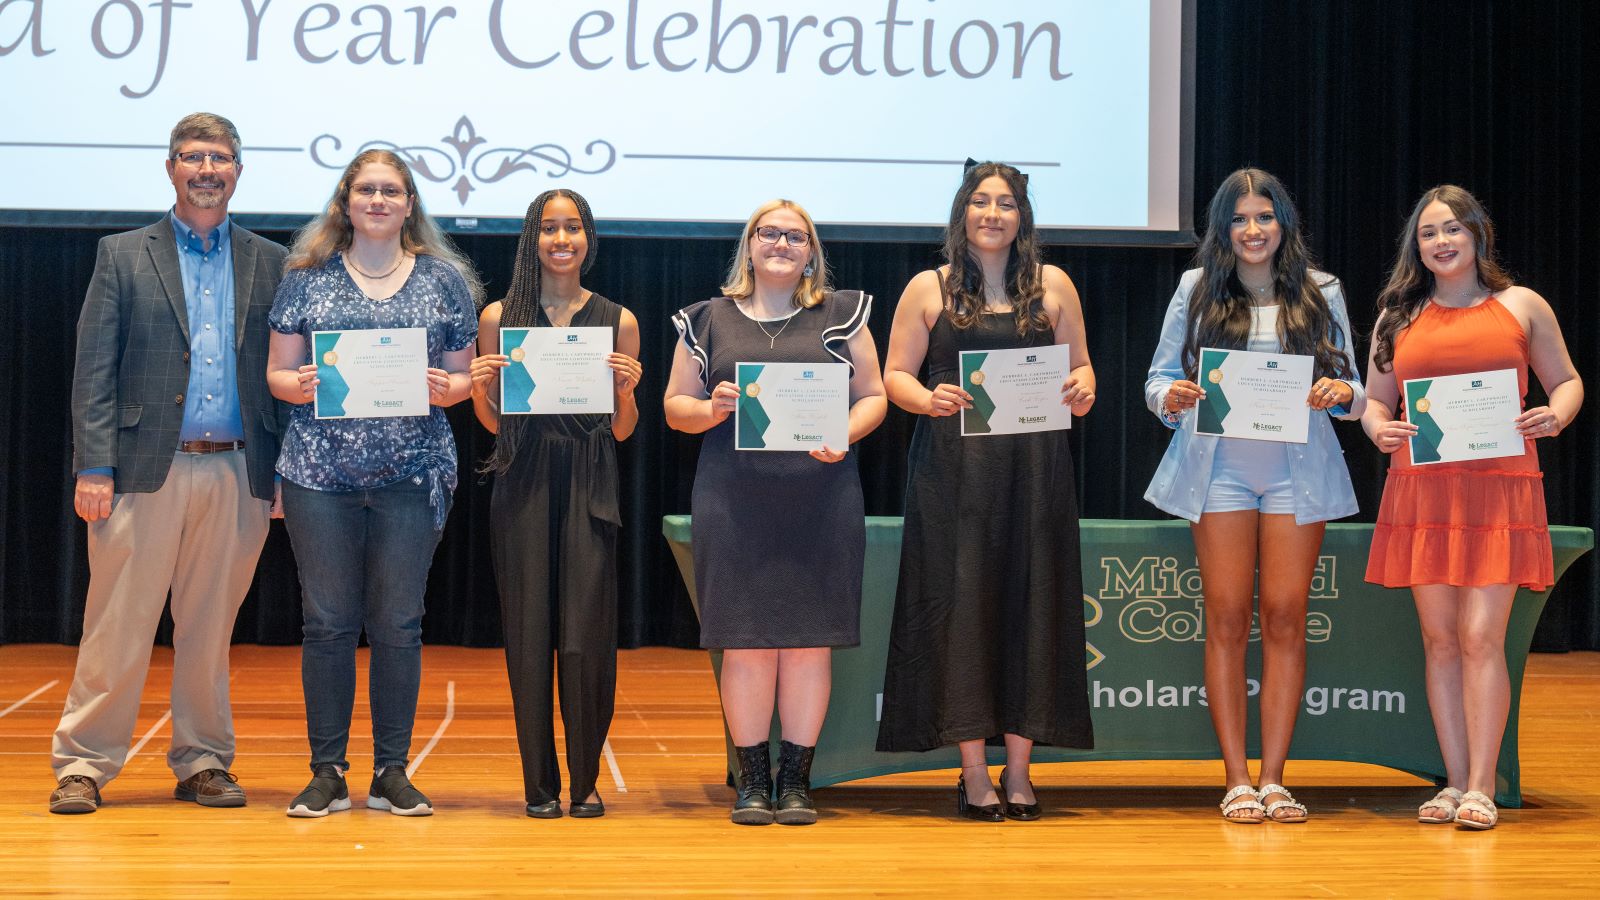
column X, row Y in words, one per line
column 966, row 809
column 587, row 810
column 1022, row 812
column 550, row 809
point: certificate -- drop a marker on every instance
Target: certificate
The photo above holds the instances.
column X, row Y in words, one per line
column 372, row 373
column 1255, row 396
column 1461, row 417
column 792, row 406
column 1015, row 391
column 556, row 370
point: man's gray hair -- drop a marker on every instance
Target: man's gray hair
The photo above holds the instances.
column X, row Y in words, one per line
column 202, row 126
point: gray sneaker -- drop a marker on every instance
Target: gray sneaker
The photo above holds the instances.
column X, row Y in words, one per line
column 392, row 790
column 325, row 794
column 75, row 794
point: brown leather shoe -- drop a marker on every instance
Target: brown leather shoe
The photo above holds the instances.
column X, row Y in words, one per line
column 212, row 787
column 75, row 794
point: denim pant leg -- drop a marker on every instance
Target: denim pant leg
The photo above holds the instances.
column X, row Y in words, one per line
column 399, row 551
column 328, row 531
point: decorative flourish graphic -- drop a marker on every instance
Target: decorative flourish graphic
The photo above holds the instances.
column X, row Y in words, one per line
column 470, row 164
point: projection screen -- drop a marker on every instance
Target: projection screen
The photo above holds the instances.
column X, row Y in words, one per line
column 674, row 117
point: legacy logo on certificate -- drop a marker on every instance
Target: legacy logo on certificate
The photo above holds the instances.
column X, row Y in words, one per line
column 1256, row 396
column 556, row 370
column 792, row 406
column 1015, row 391
column 372, row 373
column 1460, row 417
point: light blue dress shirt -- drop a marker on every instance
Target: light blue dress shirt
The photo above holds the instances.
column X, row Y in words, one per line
column 211, row 405
column 1322, row 488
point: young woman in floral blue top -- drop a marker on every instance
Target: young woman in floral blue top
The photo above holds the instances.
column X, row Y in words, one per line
column 365, row 500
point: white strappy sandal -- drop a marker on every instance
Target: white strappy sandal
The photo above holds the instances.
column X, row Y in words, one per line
column 1288, row 803
column 1241, row 797
column 1448, row 800
column 1481, row 803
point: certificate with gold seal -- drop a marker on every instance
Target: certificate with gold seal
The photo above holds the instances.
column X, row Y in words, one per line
column 1462, row 417
column 1015, row 391
column 792, row 406
column 556, row 370
column 1255, row 396
column 371, row 373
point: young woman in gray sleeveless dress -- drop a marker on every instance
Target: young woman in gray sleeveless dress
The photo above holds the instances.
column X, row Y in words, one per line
column 778, row 537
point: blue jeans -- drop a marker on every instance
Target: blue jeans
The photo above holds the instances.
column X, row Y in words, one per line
column 363, row 557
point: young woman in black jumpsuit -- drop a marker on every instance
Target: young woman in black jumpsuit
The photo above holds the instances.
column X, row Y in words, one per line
column 554, row 511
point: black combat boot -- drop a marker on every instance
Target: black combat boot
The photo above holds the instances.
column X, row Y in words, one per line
column 753, row 805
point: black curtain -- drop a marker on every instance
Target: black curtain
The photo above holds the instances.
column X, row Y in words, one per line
column 1358, row 106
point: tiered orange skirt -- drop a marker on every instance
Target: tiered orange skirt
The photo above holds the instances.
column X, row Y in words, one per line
column 1461, row 526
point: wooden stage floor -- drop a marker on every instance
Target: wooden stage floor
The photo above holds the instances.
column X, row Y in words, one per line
column 1148, row 828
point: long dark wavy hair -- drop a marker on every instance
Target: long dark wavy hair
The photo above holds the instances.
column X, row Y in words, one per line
column 521, row 308
column 1219, row 308
column 1024, row 267
column 1411, row 284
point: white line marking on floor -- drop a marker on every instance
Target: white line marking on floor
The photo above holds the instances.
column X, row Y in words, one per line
column 616, row 773
column 165, row 717
column 19, row 703
column 449, row 716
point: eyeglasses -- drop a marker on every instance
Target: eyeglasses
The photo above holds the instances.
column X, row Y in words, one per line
column 389, row 191
column 194, row 159
column 768, row 234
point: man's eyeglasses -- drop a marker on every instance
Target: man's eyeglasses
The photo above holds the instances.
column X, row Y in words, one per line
column 768, row 234
column 194, row 159
column 368, row 191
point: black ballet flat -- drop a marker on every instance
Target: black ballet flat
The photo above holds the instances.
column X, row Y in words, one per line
column 1022, row 812
column 966, row 809
column 587, row 810
column 550, row 809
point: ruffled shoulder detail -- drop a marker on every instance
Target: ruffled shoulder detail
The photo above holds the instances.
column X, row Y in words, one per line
column 847, row 313
column 692, row 322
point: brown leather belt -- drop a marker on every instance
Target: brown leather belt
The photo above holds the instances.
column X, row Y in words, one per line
column 209, row 446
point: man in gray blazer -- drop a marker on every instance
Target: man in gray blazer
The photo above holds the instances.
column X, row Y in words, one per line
column 174, row 442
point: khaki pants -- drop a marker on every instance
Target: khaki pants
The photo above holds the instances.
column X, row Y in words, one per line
column 199, row 535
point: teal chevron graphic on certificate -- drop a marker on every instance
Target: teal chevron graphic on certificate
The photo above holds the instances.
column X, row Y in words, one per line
column 1462, row 417
column 371, row 373
column 792, row 406
column 556, row 370
column 1255, row 396
column 1015, row 391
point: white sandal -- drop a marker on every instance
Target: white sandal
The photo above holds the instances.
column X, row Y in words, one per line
column 1241, row 797
column 1481, row 803
column 1289, row 803
column 1448, row 800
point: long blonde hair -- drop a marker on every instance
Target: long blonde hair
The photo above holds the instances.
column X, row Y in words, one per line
column 331, row 231
column 741, row 281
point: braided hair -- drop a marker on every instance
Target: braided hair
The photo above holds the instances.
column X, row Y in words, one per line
column 521, row 307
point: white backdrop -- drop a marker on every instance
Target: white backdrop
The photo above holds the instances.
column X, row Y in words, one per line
column 659, row 111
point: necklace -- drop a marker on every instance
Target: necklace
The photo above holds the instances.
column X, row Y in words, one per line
column 396, row 267
column 772, row 336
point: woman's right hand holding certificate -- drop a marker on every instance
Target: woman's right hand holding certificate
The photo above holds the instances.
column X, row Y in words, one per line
column 1182, row 395
column 1393, row 434
column 484, row 370
column 947, row 400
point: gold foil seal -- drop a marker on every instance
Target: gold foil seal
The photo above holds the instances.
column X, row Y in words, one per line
column 1215, row 377
column 752, row 390
column 518, row 354
column 330, row 358
column 977, row 377
column 1423, row 405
